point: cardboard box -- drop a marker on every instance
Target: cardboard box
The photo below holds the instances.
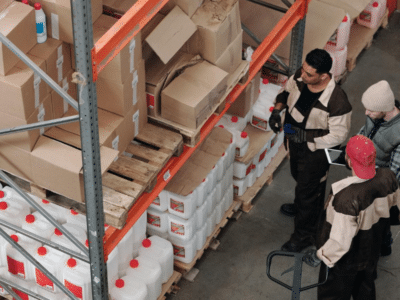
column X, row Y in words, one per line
column 232, row 56
column 59, row 18
column 119, row 98
column 26, row 140
column 16, row 161
column 262, row 21
column 245, row 101
column 127, row 131
column 170, row 35
column 353, row 8
column 127, row 60
column 21, row 90
column 189, row 7
column 61, row 106
column 218, row 24
column 190, row 98
column 57, row 56
column 158, row 76
column 58, row 167
column 17, row 24
column 4, row 4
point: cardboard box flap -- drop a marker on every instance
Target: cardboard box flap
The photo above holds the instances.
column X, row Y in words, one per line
column 64, row 136
column 204, row 159
column 12, row 16
column 107, row 156
column 170, row 35
column 4, row 4
column 353, row 7
column 220, row 135
column 220, row 10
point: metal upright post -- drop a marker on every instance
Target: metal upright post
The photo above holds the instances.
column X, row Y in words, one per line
column 296, row 46
column 87, row 99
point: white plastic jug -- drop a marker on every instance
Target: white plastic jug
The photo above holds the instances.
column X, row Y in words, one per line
column 4, row 275
column 139, row 233
column 209, row 203
column 237, row 123
column 241, row 170
column 151, row 231
column 37, row 226
column 260, row 168
column 260, row 117
column 184, row 251
column 201, row 237
column 11, row 214
column 26, row 284
column 202, row 215
column 212, row 178
column 212, row 198
column 113, row 264
column 339, row 58
column 225, row 162
column 3, row 244
column 202, row 191
column 76, row 218
column 371, row 16
column 57, row 212
column 242, row 144
column 218, row 192
column 17, row 264
column 230, row 195
column 231, row 151
column 252, row 177
column 59, row 238
column 13, row 199
column 210, row 225
column 128, row 288
column 182, row 206
column 183, row 229
column 219, row 170
column 340, row 37
column 228, row 178
column 41, row 27
column 219, row 213
column 157, row 220
column 239, row 186
column 161, row 201
column 76, row 278
column 53, row 261
column 158, row 249
column 149, row 271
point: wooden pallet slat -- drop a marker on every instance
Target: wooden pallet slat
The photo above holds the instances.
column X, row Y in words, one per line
column 147, row 155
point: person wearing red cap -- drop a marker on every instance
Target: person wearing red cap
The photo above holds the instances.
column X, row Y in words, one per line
column 318, row 116
column 351, row 227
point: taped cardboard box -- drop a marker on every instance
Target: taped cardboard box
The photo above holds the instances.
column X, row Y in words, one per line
column 232, row 56
column 170, row 35
column 22, row 90
column 119, row 98
column 245, row 101
column 188, row 6
column 16, row 161
column 4, row 4
column 190, row 98
column 57, row 56
column 353, row 8
column 58, row 167
column 17, row 24
column 26, row 140
column 218, row 24
column 61, row 106
column 159, row 75
column 262, row 21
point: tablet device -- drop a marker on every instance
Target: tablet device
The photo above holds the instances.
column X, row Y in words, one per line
column 335, row 157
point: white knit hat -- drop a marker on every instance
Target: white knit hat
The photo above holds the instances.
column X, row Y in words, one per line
column 378, row 97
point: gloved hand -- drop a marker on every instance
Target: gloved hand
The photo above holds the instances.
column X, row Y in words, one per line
column 295, row 134
column 311, row 259
column 275, row 121
column 342, row 157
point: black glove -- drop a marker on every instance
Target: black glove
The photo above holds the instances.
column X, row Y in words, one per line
column 275, row 121
column 311, row 259
column 295, row 134
column 342, row 157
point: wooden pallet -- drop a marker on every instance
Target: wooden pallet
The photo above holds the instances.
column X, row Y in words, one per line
column 210, row 241
column 170, row 287
column 192, row 136
column 266, row 178
column 361, row 38
column 127, row 178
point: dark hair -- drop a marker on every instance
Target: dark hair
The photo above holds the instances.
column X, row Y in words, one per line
column 320, row 60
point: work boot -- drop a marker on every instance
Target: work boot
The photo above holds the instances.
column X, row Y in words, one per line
column 289, row 209
column 386, row 247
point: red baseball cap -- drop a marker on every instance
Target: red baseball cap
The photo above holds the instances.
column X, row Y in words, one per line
column 362, row 153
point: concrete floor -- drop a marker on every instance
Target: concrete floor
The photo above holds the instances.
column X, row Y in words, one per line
column 236, row 270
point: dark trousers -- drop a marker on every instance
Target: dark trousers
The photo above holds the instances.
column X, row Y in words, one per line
column 309, row 169
column 342, row 284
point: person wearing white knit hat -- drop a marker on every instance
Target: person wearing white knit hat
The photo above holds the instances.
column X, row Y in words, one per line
column 378, row 98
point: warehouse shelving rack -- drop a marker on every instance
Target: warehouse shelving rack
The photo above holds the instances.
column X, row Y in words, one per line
column 90, row 60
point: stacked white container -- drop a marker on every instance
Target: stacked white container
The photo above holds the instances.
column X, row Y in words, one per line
column 76, row 278
column 371, row 16
column 126, row 288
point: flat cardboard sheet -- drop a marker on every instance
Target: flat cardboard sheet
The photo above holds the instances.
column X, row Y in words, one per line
column 170, row 35
column 353, row 7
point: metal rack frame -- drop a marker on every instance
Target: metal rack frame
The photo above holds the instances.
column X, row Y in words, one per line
column 90, row 60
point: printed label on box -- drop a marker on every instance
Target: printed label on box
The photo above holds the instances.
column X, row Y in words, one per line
column 16, row 267
column 157, row 201
column 248, row 170
column 365, row 16
column 22, row 295
column 154, row 220
column 259, row 123
column 177, row 206
column 177, row 228
column 76, row 290
column 235, row 190
column 43, row 280
column 150, row 100
column 262, row 155
column 179, row 251
column 237, row 151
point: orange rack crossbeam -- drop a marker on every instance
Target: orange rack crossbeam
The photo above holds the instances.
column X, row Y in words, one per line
column 296, row 12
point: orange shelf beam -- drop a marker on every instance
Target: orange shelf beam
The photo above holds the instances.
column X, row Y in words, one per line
column 296, row 12
column 118, row 36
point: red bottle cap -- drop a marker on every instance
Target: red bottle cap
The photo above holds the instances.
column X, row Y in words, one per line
column 25, row 2
column 375, row 4
column 15, row 238
column 42, row 251
column 30, row 219
column 271, row 109
column 71, row 263
column 57, row 232
column 204, row 180
column 134, row 263
column 265, row 81
column 234, row 119
column 146, row 243
column 231, row 140
column 1, row 194
column 87, row 243
column 243, row 134
column 3, row 205
column 222, row 126
column 223, row 154
column 45, row 201
column 119, row 283
column 73, row 212
column 345, row 19
column 37, row 6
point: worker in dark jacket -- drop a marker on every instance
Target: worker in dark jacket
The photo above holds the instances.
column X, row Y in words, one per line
column 318, row 116
column 355, row 215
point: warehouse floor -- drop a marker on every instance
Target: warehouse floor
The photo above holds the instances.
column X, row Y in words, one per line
column 236, row 270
